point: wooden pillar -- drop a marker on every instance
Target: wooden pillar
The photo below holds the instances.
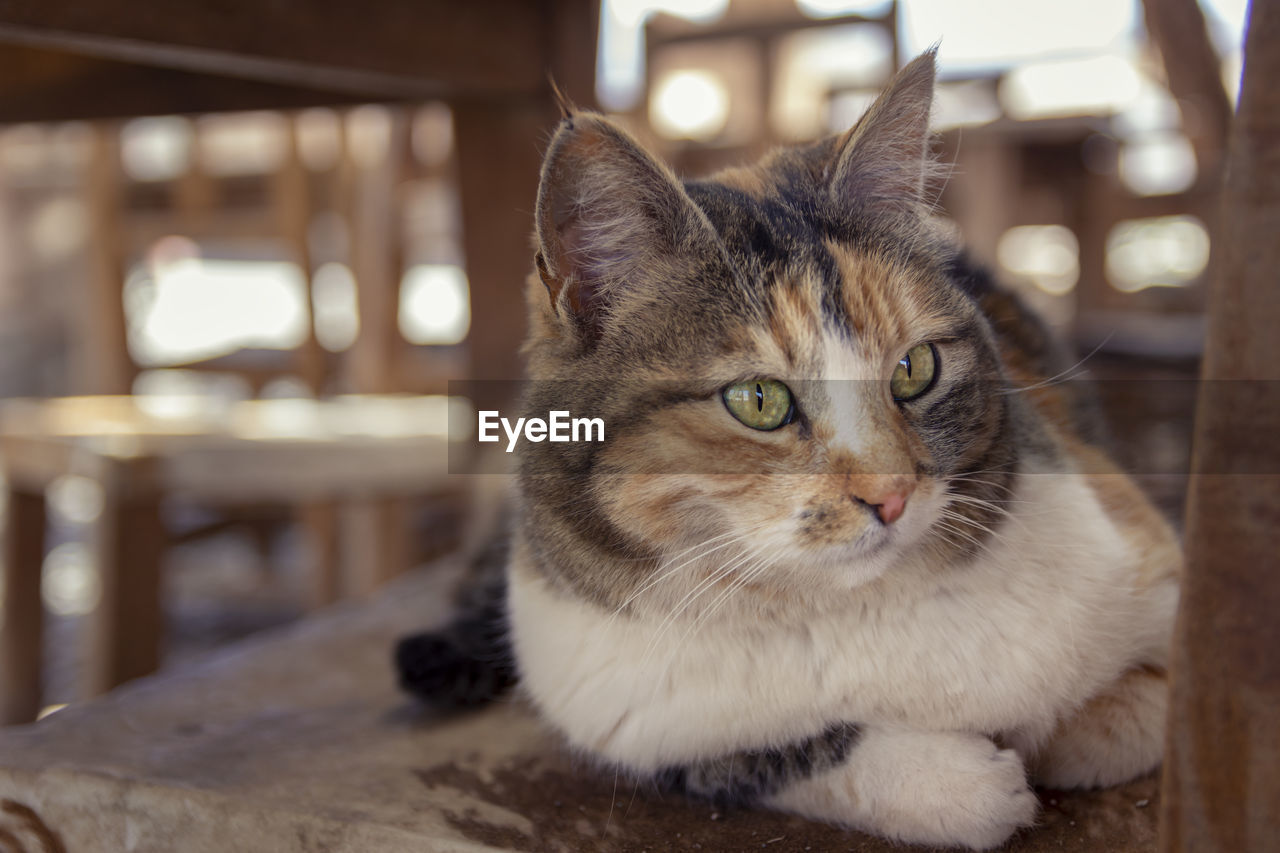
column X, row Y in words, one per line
column 375, row 542
column 319, row 521
column 22, row 628
column 498, row 161
column 1222, row 770
column 377, row 254
column 104, row 365
column 500, row 144
column 127, row 626
column 291, row 190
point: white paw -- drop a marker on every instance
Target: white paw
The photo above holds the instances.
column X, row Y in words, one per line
column 978, row 801
column 978, row 798
column 941, row 788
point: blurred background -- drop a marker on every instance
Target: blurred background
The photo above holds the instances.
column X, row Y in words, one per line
column 237, row 271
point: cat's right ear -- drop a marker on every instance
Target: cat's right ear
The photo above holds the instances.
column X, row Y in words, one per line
column 883, row 163
column 609, row 217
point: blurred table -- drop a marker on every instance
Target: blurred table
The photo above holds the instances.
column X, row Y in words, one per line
column 141, row 451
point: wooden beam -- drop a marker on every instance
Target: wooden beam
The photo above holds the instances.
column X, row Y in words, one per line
column 399, row 48
column 1221, row 787
column 52, row 85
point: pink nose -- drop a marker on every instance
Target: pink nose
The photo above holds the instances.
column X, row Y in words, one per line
column 890, row 509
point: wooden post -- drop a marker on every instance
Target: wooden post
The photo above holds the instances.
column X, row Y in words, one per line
column 319, row 522
column 1222, row 769
column 377, row 254
column 22, row 628
column 375, row 542
column 291, row 199
column 499, row 144
column 498, row 161
column 127, row 626
column 105, row 366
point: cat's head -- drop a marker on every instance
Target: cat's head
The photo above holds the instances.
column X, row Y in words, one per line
column 784, row 355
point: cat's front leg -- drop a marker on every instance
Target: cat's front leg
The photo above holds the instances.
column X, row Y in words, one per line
column 942, row 788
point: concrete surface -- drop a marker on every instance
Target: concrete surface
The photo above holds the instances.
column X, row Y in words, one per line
column 299, row 741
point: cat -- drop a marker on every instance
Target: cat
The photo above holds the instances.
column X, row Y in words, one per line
column 849, row 549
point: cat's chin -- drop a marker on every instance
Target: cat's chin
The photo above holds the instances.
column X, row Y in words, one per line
column 850, row 565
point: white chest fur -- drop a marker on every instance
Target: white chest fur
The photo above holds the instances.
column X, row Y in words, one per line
column 1048, row 613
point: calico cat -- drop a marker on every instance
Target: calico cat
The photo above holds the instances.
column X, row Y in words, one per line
column 847, row 550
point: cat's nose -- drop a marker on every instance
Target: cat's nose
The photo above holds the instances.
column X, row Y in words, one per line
column 891, row 508
column 886, row 496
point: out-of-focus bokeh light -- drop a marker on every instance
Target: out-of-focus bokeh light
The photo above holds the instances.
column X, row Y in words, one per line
column 1046, row 255
column 192, row 308
column 75, row 498
column 1158, row 164
column 834, row 8
column 813, row 63
column 58, row 228
column 1100, row 84
column 156, row 148
column 1168, row 251
column 996, row 34
column 70, row 584
column 368, row 135
column 432, row 134
column 242, row 143
column 620, row 58
column 434, row 304
column 319, row 138
column 1152, row 110
column 337, row 312
column 964, row 104
column 689, row 104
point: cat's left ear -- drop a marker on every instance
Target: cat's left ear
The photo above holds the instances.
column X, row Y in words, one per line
column 882, row 164
column 614, row 224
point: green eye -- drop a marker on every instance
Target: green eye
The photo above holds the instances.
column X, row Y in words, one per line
column 760, row 404
column 914, row 372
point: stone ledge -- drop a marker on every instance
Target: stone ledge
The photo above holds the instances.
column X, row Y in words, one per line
column 299, row 741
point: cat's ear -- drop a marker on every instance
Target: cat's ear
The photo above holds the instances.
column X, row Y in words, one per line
column 883, row 164
column 609, row 217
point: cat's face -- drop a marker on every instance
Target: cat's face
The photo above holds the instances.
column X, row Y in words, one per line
column 794, row 386
column 818, row 446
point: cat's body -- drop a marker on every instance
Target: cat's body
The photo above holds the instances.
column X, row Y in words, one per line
column 843, row 610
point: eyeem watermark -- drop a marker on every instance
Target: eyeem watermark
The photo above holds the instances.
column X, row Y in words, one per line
column 559, row 426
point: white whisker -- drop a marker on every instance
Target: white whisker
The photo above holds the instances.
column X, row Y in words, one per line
column 1063, row 375
column 667, row 573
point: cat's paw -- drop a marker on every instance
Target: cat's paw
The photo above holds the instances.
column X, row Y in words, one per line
column 978, row 799
column 947, row 789
column 441, row 671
